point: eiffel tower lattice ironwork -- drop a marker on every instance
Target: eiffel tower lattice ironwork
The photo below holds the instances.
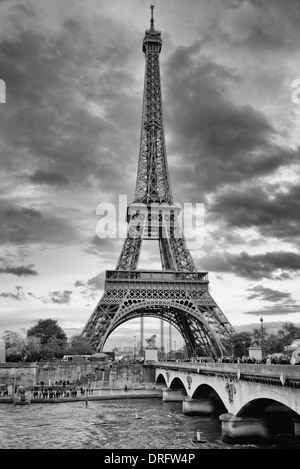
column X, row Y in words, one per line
column 177, row 294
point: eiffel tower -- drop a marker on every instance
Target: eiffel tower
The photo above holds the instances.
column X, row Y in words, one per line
column 177, row 294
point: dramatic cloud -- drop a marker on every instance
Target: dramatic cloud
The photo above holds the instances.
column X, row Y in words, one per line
column 19, row 295
column 70, row 141
column 56, row 297
column 279, row 310
column 26, row 225
column 97, row 282
column 67, row 119
column 268, row 294
column 92, row 288
column 285, row 304
column 270, row 210
column 79, row 283
column 52, row 178
column 225, row 141
column 22, row 270
column 271, row 265
column 107, row 248
column 60, row 297
column 262, row 26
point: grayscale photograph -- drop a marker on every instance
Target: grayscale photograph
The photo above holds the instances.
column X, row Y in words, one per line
column 150, row 227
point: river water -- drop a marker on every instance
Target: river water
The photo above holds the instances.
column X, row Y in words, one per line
column 109, row 424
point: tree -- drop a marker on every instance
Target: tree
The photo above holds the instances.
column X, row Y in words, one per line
column 47, row 329
column 53, row 339
column 79, row 346
column 273, row 344
column 288, row 333
column 15, row 346
column 33, row 349
column 235, row 344
column 54, row 348
column 241, row 343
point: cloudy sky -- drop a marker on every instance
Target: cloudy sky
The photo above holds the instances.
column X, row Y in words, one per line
column 69, row 141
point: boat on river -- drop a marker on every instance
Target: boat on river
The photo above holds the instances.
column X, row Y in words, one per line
column 21, row 398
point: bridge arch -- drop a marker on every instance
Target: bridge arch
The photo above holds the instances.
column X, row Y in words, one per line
column 177, row 384
column 207, row 392
column 203, row 390
column 279, row 417
column 260, row 402
column 161, row 380
column 262, row 406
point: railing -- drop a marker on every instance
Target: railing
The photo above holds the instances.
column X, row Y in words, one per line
column 152, row 275
column 286, row 372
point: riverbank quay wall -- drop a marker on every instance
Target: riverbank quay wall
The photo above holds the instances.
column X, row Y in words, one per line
column 93, row 374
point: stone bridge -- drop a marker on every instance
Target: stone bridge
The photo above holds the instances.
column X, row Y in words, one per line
column 253, row 401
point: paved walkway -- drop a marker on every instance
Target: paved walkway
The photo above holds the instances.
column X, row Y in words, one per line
column 98, row 395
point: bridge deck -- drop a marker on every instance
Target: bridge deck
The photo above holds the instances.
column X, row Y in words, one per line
column 288, row 372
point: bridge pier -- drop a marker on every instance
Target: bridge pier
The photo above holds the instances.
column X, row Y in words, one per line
column 242, row 429
column 297, row 427
column 174, row 395
column 202, row 406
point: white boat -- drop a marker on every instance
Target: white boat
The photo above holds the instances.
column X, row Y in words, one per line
column 21, row 398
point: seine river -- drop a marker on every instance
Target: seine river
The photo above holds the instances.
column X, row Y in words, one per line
column 109, row 424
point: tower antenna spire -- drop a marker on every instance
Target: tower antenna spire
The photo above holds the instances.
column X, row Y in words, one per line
column 152, row 19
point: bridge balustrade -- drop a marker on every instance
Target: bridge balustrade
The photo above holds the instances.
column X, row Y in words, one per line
column 291, row 373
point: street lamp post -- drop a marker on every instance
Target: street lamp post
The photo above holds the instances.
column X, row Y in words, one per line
column 232, row 345
column 244, row 348
column 134, row 347
column 262, row 338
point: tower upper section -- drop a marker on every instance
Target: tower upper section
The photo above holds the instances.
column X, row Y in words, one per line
column 153, row 184
column 152, row 39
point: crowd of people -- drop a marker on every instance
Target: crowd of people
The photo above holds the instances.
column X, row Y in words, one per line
column 269, row 360
column 51, row 392
column 48, row 392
